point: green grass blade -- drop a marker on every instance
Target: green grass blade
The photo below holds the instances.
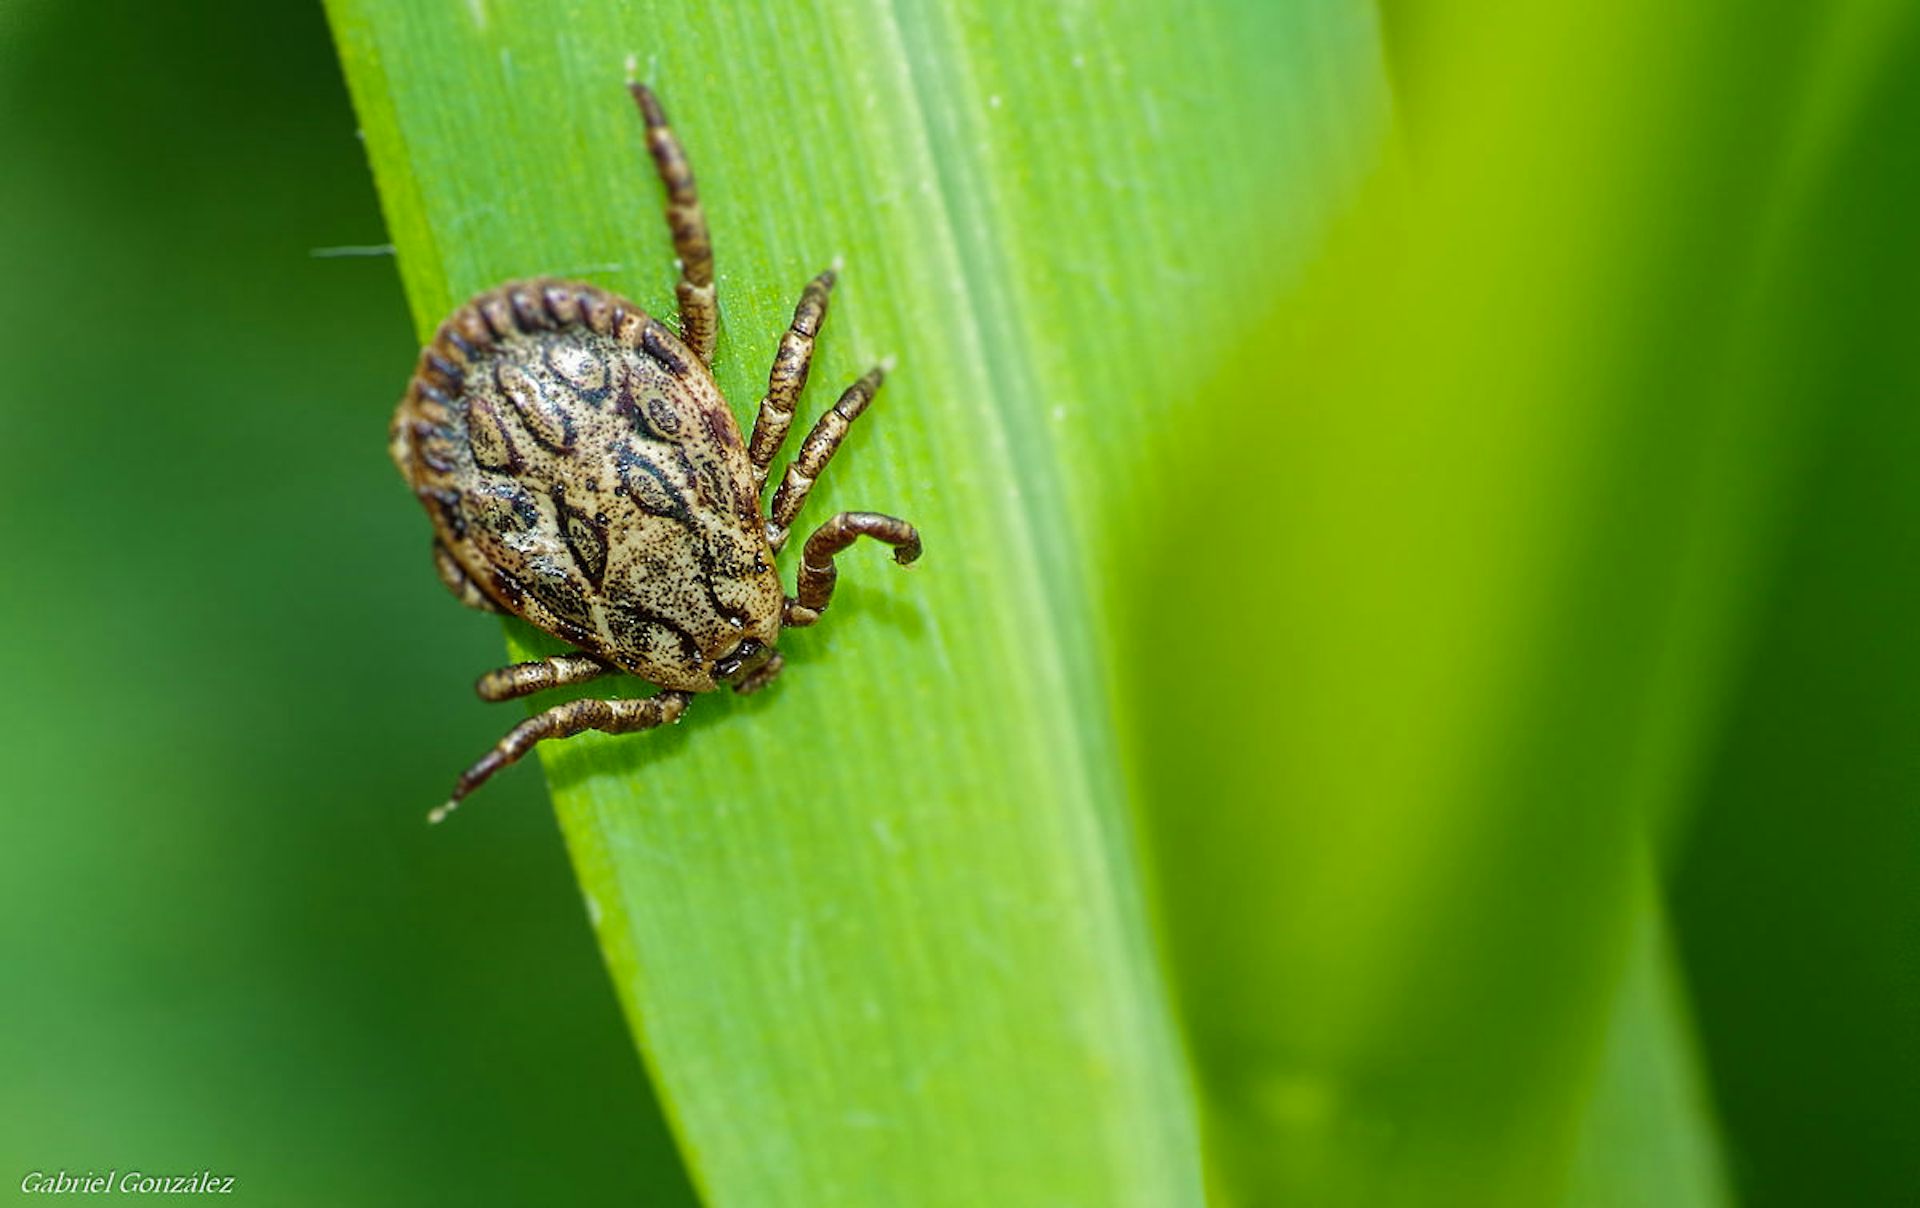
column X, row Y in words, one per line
column 1496, row 547
column 879, row 930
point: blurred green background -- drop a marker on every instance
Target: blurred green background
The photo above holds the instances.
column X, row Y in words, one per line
column 228, row 940
column 1532, row 804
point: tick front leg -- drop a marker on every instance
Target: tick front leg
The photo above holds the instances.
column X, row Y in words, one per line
column 815, row 452
column 817, row 575
column 564, row 721
column 525, row 679
column 789, row 376
column 699, row 304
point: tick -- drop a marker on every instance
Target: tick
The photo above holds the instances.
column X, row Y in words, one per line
column 583, row 472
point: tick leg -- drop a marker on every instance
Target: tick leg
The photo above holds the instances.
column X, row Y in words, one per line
column 815, row 588
column 464, row 589
column 699, row 309
column 761, row 677
column 789, row 377
column 815, row 452
column 564, row 721
column 525, row 679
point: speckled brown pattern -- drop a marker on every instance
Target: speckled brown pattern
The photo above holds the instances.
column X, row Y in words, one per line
column 583, row 472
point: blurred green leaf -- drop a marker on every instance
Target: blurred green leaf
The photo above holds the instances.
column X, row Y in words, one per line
column 1650, row 1136
column 1481, row 561
column 880, row 929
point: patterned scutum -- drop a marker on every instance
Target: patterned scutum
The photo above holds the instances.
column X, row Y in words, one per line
column 583, row 478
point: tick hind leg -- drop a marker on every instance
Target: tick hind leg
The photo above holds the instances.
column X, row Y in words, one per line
column 815, row 452
column 817, row 575
column 525, row 679
column 564, row 721
column 788, row 377
column 699, row 303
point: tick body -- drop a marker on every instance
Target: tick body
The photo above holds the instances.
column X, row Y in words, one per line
column 583, row 472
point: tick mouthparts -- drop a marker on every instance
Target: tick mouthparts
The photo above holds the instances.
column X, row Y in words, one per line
column 743, row 659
